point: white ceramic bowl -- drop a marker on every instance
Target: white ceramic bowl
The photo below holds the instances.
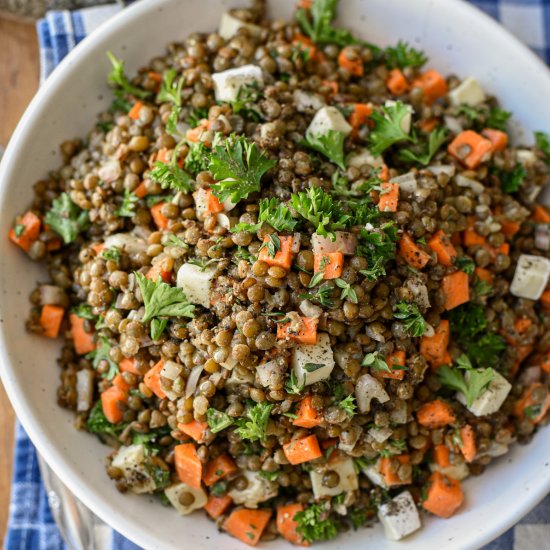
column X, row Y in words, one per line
column 457, row 37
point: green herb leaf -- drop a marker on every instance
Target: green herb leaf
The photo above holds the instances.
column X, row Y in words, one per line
column 412, row 319
column 219, row 488
column 128, row 205
column 321, row 295
column 487, row 350
column 197, row 158
column 498, row 119
column 170, row 89
column 270, row 476
column 378, row 246
column 66, row 219
column 112, row 254
column 174, row 240
column 203, row 263
column 348, row 292
column 314, row 524
column 196, row 115
column 376, row 362
column 254, row 425
column 292, row 386
column 218, row 420
column 466, row 264
column 84, row 311
column 482, row 288
column 331, row 145
column 162, row 300
column 428, row 150
column 171, row 176
column 312, row 367
column 272, row 244
column 118, row 79
column 157, row 328
column 403, row 55
column 246, row 102
column 348, row 405
column 101, row 353
column 511, row 182
column 19, row 230
column 97, row 423
column 388, row 128
column 239, row 166
column 272, row 212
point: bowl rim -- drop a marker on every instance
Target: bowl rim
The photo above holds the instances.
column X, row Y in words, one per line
column 53, row 456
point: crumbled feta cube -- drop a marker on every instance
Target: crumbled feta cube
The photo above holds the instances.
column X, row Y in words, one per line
column 306, row 101
column 407, row 182
column 132, row 462
column 343, row 466
column 406, row 122
column 468, row 92
column 326, row 119
column 526, row 157
column 531, row 277
column 491, row 399
column 364, row 157
column 399, row 516
column 228, row 83
column 229, row 26
column 305, row 355
column 196, row 282
column 258, row 490
column 174, row 492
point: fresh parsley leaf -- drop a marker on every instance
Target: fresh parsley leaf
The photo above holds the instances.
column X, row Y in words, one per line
column 435, row 141
column 348, row 405
column 66, row 218
column 272, row 212
column 219, row 488
column 128, row 205
column 486, row 351
column 467, row 321
column 196, row 115
column 466, row 264
column 101, row 353
column 217, row 420
column 388, row 128
column 254, row 425
column 376, row 362
column 314, row 524
column 243, row 253
column 170, row 89
column 239, row 166
column 272, row 244
column 197, row 158
column 97, row 423
column 532, row 411
column 245, row 104
column 19, row 229
column 84, row 311
column 292, row 386
column 497, row 118
column 318, row 208
column 348, row 292
column 543, row 143
column 511, row 182
column 118, row 79
column 157, row 328
column 412, row 319
column 482, row 288
column 270, row 476
column 104, row 125
column 160, row 476
column 203, row 263
column 161, row 299
column 171, row 176
column 331, row 145
column 119, row 103
column 403, row 55
column 321, row 295
column 174, row 240
column 471, row 385
column 378, row 246
column 469, row 112
column 113, row 254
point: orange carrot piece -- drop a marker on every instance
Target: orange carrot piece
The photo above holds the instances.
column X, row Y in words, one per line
column 157, row 77
column 216, row 506
column 188, row 464
column 152, row 380
column 156, row 271
column 522, row 352
column 522, row 324
column 141, row 190
column 441, row 456
column 330, row 263
column 395, row 360
column 468, row 446
column 433, row 84
column 412, row 253
column 510, row 228
column 128, row 365
column 471, row 237
column 498, row 139
column 307, row 335
column 54, row 244
column 51, row 318
column 350, row 62
column 484, row 275
column 444, row 496
column 541, row 214
column 286, row 524
column 307, row 416
column 396, row 82
column 391, row 478
column 428, row 125
column 302, row 450
column 389, row 197
column 218, row 468
column 160, row 220
column 360, row 115
column 111, row 399
column 247, row 525
column 470, row 148
column 83, row 341
column 28, row 227
column 194, row 429
column 194, row 134
column 526, row 406
column 333, row 86
column 303, row 43
column 283, row 257
column 119, row 382
column 444, row 249
column 545, row 363
column 434, row 348
column 435, row 414
column 545, row 299
column 133, row 113
column 304, row 4
column 213, row 204
column 456, row 289
column 98, row 248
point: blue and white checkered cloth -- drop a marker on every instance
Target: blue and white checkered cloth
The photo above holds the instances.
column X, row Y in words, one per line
column 31, row 526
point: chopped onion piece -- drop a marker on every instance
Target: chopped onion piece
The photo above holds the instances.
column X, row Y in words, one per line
column 193, row 380
column 345, row 242
column 475, row 186
column 84, row 390
column 542, row 237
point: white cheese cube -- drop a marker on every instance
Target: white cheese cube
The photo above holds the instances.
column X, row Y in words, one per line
column 406, row 122
column 196, row 283
column 258, row 490
column 326, row 119
column 491, row 399
column 399, row 516
column 374, row 475
column 526, row 157
column 228, row 83
column 306, row 101
column 367, row 389
column 229, row 26
column 307, row 357
column 364, row 157
column 407, row 182
column 531, row 277
column 174, row 492
column 469, row 92
column 133, row 464
column 343, row 466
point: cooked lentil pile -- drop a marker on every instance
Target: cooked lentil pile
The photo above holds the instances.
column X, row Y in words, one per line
column 301, row 281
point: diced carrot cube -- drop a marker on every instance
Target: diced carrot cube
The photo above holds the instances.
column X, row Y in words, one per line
column 306, row 335
column 194, row 429
column 468, row 446
column 307, row 416
column 442, row 246
column 397, row 361
column 391, row 478
column 83, row 341
column 286, row 525
column 26, row 230
column 218, row 468
column 128, row 365
column 351, row 62
column 188, row 464
column 330, row 263
column 412, row 253
column 444, row 496
column 435, row 414
column 160, row 220
column 302, row 450
column 141, row 190
column 396, row 82
column 428, row 125
column 135, row 110
column 389, row 197
column 433, row 84
column 471, row 237
column 545, row 299
column 282, row 258
column 536, row 410
column 152, row 380
column 498, row 139
column 214, row 205
column 51, row 318
column 484, row 275
column 360, row 115
column 541, row 214
column 217, row 506
column 470, row 148
column 247, row 525
column 441, row 455
column 333, row 86
column 119, row 382
column 510, row 228
column 157, row 271
column 456, row 289
column 545, row 362
column 111, row 399
column 434, row 348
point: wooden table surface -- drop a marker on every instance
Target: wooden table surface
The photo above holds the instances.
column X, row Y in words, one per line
column 19, row 66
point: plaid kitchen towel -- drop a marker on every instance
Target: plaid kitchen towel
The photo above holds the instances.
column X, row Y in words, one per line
column 31, row 525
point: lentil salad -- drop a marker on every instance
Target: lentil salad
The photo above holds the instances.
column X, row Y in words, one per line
column 302, row 295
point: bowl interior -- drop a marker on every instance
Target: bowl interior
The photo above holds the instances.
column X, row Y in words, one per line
column 451, row 32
